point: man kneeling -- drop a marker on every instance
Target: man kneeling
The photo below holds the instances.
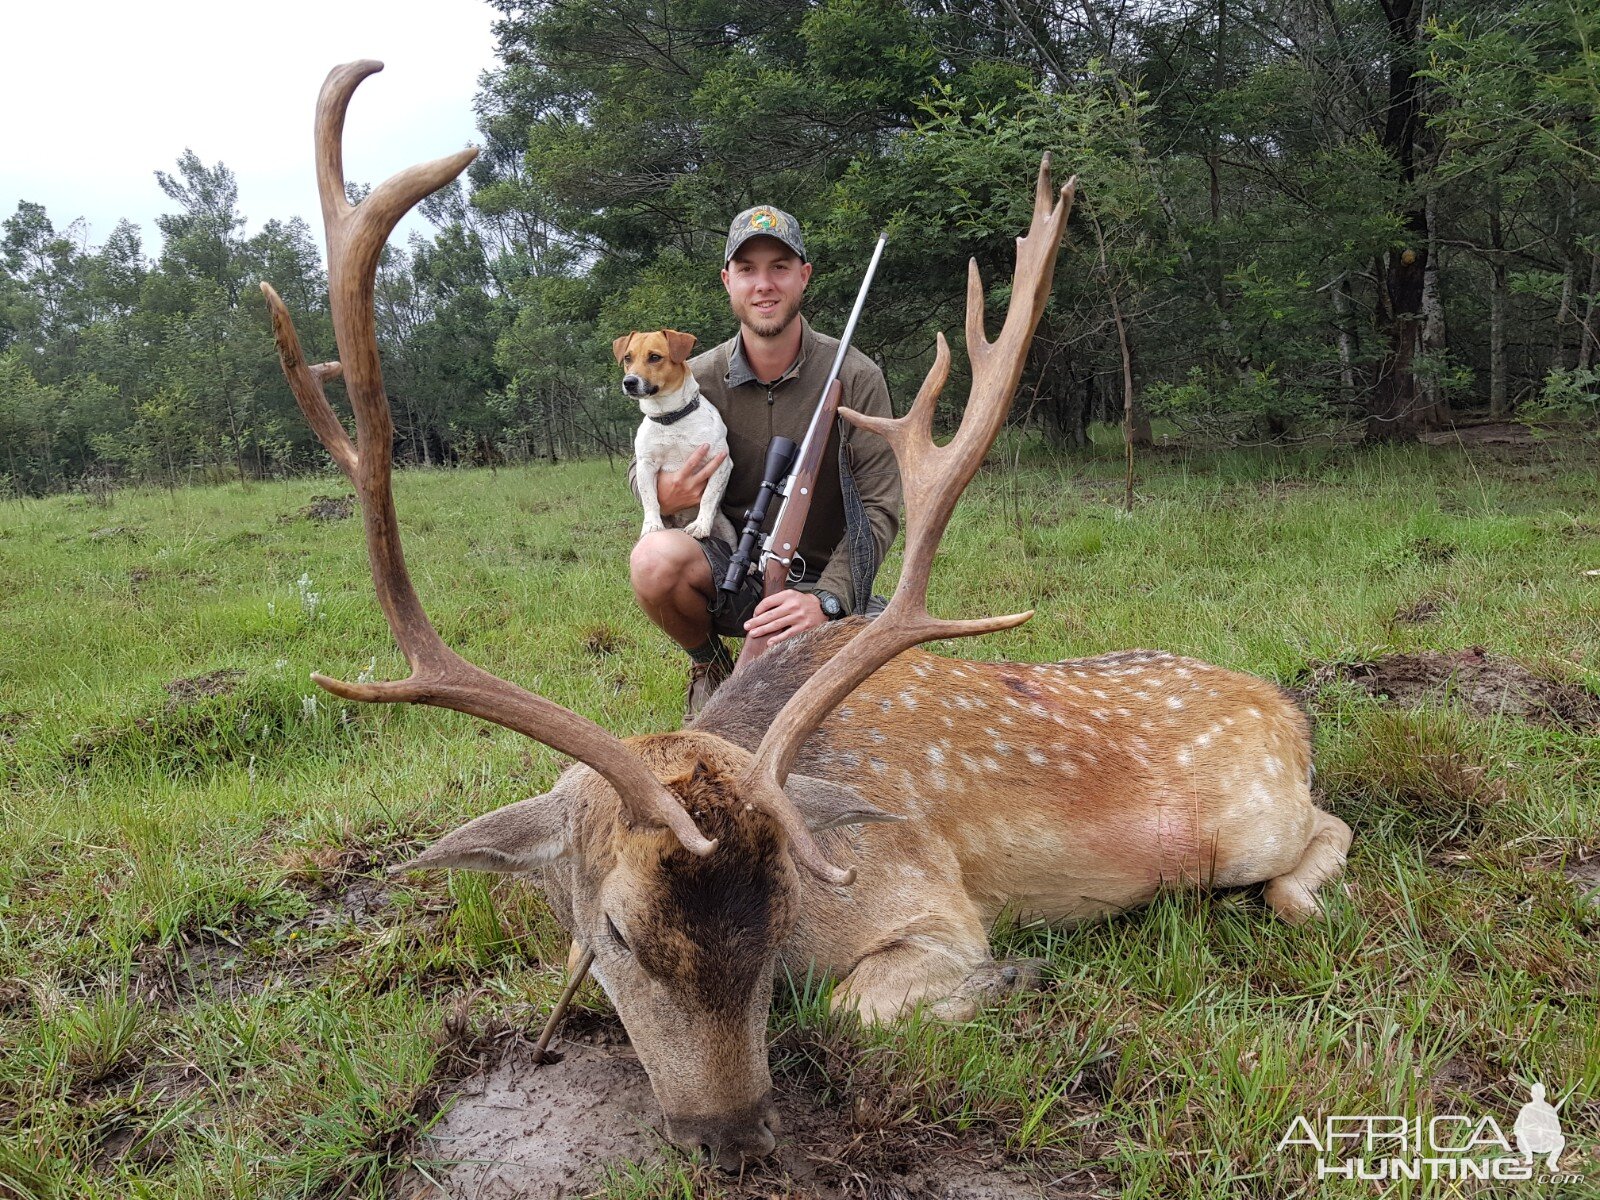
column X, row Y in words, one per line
column 765, row 381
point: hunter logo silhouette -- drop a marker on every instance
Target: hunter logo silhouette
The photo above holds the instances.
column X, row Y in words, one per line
column 1538, row 1128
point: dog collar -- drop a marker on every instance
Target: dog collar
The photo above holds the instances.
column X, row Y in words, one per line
column 673, row 417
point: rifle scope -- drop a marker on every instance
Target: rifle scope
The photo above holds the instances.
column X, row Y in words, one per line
column 780, row 458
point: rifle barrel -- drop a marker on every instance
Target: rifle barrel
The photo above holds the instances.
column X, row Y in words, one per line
column 849, row 333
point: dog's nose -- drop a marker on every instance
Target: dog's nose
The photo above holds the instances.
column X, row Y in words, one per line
column 635, row 386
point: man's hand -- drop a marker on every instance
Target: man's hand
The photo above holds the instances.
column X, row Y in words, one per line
column 784, row 614
column 681, row 489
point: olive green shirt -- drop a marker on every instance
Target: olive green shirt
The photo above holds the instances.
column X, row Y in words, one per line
column 755, row 411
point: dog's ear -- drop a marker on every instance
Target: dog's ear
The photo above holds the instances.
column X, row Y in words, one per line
column 679, row 344
column 620, row 346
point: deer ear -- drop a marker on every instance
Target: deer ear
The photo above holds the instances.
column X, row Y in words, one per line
column 519, row 837
column 620, row 346
column 828, row 805
column 679, row 344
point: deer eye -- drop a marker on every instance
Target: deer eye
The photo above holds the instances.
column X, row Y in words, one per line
column 616, row 935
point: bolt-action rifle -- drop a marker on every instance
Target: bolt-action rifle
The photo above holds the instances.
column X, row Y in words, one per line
column 792, row 474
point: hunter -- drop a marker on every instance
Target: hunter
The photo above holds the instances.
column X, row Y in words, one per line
column 766, row 380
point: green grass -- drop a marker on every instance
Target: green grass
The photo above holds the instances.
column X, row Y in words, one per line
column 207, row 991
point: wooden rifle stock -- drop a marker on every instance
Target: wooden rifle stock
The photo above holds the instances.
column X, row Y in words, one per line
column 785, row 543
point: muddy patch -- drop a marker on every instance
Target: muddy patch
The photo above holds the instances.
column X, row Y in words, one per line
column 360, row 904
column 11, row 726
column 223, row 682
column 1422, row 610
column 1585, row 877
column 205, row 965
column 1462, row 1077
column 1486, row 685
column 602, row 640
column 326, row 508
column 520, row 1131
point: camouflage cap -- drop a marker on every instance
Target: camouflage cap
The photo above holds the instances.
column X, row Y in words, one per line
column 764, row 221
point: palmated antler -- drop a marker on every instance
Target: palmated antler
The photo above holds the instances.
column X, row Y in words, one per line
column 439, row 676
column 934, row 478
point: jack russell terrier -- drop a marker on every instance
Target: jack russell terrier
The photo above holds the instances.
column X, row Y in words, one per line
column 676, row 422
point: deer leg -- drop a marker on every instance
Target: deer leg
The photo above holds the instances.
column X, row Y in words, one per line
column 988, row 984
column 890, row 983
column 1293, row 895
column 950, row 979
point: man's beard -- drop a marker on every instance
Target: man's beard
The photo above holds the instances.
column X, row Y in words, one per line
column 775, row 324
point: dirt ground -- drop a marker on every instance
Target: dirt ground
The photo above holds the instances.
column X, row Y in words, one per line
column 520, row 1131
column 1483, row 433
column 1487, row 685
column 213, row 683
column 326, row 508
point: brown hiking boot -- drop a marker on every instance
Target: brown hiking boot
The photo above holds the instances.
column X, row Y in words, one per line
column 704, row 679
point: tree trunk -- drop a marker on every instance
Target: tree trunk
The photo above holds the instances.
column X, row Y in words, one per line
column 1349, row 341
column 1135, row 417
column 1430, row 386
column 1569, row 272
column 1214, row 161
column 1589, row 334
column 423, row 429
column 1397, row 408
column 1497, row 314
column 1395, row 404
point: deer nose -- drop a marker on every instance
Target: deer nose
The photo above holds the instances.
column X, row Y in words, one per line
column 729, row 1138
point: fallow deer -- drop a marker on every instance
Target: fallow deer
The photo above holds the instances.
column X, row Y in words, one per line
column 848, row 803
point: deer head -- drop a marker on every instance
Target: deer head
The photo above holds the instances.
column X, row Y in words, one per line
column 680, row 859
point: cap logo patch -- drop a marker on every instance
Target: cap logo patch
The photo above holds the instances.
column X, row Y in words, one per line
column 764, row 219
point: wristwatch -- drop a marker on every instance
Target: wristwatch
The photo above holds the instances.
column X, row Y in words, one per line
column 832, row 606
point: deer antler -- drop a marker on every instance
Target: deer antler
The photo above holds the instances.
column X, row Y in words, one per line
column 439, row 676
column 934, row 478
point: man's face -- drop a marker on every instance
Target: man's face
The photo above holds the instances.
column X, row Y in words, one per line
column 766, row 281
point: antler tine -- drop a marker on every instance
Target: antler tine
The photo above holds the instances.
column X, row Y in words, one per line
column 306, row 384
column 934, row 478
column 439, row 676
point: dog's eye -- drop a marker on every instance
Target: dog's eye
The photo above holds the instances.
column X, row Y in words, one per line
column 654, row 358
column 626, row 359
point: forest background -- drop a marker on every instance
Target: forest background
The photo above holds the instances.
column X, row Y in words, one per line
column 1320, row 218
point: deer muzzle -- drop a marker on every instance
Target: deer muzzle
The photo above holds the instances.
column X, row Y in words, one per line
column 728, row 1137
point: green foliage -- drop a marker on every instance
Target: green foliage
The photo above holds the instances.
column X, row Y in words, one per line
column 209, row 987
column 1256, row 407
column 1567, row 395
column 1241, row 172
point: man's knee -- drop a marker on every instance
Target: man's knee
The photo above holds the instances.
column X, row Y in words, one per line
column 661, row 561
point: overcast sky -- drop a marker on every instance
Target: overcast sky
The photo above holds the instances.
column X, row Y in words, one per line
column 97, row 96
